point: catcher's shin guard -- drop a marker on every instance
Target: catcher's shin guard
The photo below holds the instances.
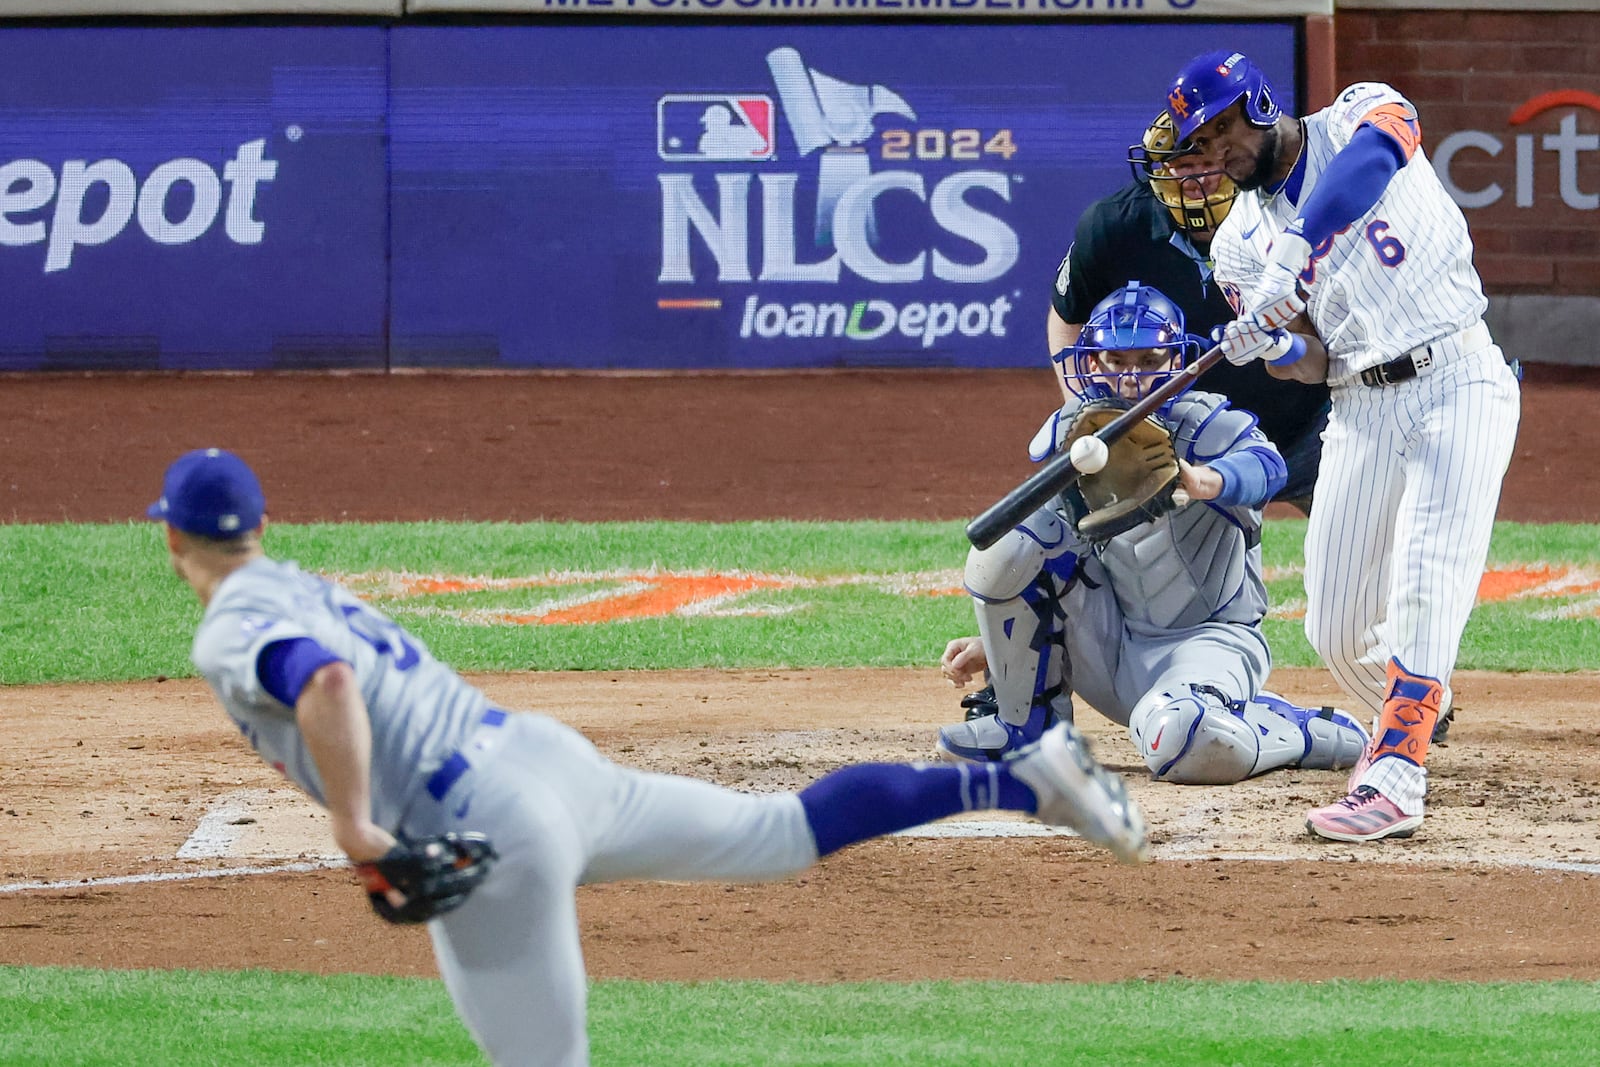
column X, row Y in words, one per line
column 989, row 738
column 1017, row 585
column 1334, row 740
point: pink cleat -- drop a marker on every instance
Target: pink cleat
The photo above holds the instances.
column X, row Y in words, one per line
column 1364, row 815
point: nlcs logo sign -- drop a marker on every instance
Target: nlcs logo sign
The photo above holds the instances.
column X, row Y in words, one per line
column 830, row 118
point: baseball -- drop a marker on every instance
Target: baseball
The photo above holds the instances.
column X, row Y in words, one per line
column 1089, row 454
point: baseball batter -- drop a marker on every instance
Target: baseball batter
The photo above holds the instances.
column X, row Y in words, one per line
column 1158, row 625
column 1158, row 229
column 1345, row 236
column 357, row 713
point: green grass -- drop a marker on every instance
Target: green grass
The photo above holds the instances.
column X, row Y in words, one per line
column 99, row 603
column 1501, row 636
column 183, row 1018
column 172, row 1018
column 82, row 602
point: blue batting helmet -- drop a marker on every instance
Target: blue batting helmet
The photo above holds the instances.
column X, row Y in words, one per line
column 1210, row 84
column 1134, row 317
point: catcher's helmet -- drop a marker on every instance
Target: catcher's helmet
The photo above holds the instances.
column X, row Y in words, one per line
column 1156, row 160
column 1210, row 84
column 1135, row 318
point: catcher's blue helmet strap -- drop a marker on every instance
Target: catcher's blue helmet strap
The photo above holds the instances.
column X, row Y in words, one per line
column 1136, row 316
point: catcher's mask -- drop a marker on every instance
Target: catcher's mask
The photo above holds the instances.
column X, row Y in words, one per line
column 1199, row 199
column 1133, row 343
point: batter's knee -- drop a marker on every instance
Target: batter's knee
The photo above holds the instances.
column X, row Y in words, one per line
column 1007, row 567
column 1338, row 644
column 1333, row 638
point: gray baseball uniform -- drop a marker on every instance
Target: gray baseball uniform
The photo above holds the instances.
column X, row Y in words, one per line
column 1158, row 627
column 443, row 758
column 558, row 813
column 1175, row 601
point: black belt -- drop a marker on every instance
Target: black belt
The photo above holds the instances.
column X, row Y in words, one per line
column 1405, row 368
column 1424, row 358
column 1390, row 373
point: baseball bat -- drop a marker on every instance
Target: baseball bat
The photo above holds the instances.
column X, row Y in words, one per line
column 1058, row 473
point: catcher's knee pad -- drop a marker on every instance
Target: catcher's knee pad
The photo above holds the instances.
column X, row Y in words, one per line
column 1006, row 568
column 1189, row 735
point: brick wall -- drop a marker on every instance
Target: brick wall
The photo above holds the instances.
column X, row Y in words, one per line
column 1471, row 71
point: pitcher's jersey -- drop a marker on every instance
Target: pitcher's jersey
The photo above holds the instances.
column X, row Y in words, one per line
column 1398, row 277
column 421, row 711
column 1200, row 563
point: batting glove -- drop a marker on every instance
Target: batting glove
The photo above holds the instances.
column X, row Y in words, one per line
column 1278, row 297
column 1245, row 339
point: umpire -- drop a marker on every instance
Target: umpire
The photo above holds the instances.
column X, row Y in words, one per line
column 1157, row 229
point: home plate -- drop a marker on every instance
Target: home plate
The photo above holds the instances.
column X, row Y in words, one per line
column 985, row 828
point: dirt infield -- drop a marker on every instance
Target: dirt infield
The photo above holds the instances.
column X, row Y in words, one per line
column 104, row 782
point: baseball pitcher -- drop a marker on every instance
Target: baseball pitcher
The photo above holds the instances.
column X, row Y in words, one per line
column 481, row 821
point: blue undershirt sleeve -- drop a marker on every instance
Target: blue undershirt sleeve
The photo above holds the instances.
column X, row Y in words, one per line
column 284, row 667
column 1250, row 477
column 1351, row 185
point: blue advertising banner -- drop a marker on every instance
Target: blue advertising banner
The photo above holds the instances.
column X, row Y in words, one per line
column 760, row 195
column 192, row 197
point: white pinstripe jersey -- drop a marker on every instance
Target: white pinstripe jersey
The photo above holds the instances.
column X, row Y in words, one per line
column 1398, row 277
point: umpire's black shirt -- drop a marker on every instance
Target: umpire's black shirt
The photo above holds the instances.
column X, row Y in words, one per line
column 1129, row 236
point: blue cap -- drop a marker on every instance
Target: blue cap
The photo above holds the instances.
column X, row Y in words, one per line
column 211, row 493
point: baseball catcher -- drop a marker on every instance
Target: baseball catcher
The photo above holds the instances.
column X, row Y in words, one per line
column 1140, row 588
column 419, row 880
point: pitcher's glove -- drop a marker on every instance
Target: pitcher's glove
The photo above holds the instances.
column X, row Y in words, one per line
column 1134, row 486
column 435, row 875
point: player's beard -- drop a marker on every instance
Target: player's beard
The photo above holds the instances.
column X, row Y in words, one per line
column 1266, row 161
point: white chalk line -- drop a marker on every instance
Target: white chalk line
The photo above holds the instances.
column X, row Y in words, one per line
column 175, row 876
column 214, row 829
column 982, row 828
column 971, row 831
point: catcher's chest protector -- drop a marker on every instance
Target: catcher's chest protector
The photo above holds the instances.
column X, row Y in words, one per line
column 1197, row 563
column 1184, row 569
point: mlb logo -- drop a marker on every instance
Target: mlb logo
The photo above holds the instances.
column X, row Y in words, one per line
column 720, row 127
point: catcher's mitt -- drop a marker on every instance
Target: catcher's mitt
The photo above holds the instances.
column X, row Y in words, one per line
column 435, row 875
column 1137, row 482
